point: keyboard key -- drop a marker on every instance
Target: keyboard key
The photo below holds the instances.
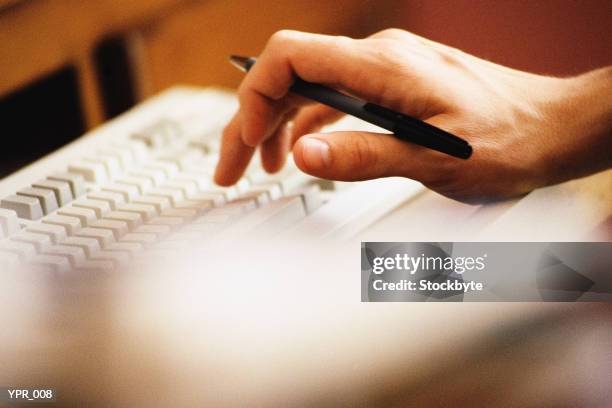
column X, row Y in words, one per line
column 55, row 232
column 169, row 169
column 61, row 189
column 92, row 172
column 46, row 197
column 172, row 222
column 215, row 199
column 133, row 219
column 142, row 183
column 113, row 199
column 124, row 156
column 188, row 188
column 160, row 231
column 104, row 236
column 85, row 215
column 274, row 217
column 112, row 165
column 89, row 245
column 156, row 176
column 131, row 248
column 127, row 191
column 145, row 211
column 141, row 238
column 97, row 206
column 199, row 207
column 57, row 264
column 74, row 254
column 76, row 182
column 261, row 198
column 9, row 223
column 26, row 207
column 70, row 224
column 183, row 158
column 173, row 194
column 272, row 190
column 118, row 228
column 160, row 203
column 117, row 257
column 40, row 241
column 24, row 250
column 187, row 214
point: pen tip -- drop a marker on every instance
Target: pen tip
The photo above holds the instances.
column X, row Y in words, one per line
column 240, row 62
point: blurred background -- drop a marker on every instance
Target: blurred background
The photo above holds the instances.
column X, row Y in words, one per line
column 67, row 66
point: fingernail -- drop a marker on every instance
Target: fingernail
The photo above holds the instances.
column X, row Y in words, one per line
column 316, row 153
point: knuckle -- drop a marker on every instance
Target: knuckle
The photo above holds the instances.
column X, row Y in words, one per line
column 365, row 156
column 283, row 37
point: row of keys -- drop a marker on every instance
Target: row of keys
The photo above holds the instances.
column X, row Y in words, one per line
column 45, row 196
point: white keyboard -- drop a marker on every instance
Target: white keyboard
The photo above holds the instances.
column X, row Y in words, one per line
column 142, row 184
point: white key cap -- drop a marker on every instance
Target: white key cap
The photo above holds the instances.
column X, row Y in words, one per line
column 40, row 241
column 146, row 212
column 141, row 238
column 159, row 230
column 187, row 214
column 142, row 183
column 172, row 194
column 160, row 203
column 139, row 150
column 92, row 172
column 156, row 176
column 212, row 218
column 230, row 193
column 261, row 198
column 25, row 207
column 24, row 250
column 110, row 163
column 9, row 223
column 124, row 156
column 188, row 188
column 61, row 189
column 55, row 232
column 119, row 228
column 117, row 257
column 169, row 169
column 58, row 264
column 202, row 183
column 172, row 222
column 311, row 197
column 74, row 254
column 85, row 215
column 46, row 197
column 277, row 215
column 131, row 248
column 70, row 224
column 236, row 207
column 129, row 192
column 133, row 219
column 183, row 158
column 97, row 206
column 113, row 199
column 104, row 236
column 216, row 199
column 199, row 207
column 205, row 230
column 273, row 190
column 76, row 181
column 357, row 207
column 89, row 245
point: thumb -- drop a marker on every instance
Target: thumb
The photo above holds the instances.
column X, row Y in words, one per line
column 351, row 156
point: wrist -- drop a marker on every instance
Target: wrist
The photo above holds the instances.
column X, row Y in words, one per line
column 579, row 118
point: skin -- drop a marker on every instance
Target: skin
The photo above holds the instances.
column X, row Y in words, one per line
column 526, row 130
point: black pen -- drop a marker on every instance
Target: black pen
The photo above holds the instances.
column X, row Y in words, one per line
column 402, row 126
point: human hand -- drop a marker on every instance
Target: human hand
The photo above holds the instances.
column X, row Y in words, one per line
column 526, row 130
